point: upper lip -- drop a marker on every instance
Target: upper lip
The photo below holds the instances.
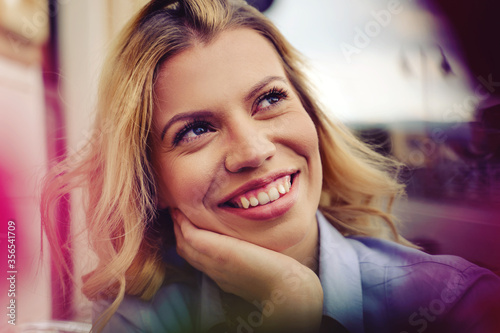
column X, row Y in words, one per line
column 256, row 183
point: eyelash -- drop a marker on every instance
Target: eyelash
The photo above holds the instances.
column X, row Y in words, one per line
column 188, row 127
column 274, row 92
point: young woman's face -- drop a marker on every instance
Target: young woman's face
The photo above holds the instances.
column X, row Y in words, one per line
column 230, row 136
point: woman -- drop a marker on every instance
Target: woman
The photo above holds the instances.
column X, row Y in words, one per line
column 206, row 130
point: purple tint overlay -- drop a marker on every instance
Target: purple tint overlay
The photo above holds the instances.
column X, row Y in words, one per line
column 62, row 287
column 7, row 213
column 457, row 228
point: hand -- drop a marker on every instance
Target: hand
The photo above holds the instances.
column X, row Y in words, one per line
column 289, row 293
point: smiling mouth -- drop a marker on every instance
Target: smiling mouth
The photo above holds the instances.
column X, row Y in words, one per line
column 263, row 195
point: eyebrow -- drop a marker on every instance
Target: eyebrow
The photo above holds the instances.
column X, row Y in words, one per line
column 261, row 84
column 202, row 113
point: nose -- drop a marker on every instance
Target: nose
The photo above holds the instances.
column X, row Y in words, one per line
column 249, row 148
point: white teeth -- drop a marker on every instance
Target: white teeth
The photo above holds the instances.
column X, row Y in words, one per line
column 287, row 186
column 245, row 203
column 281, row 189
column 263, row 198
column 253, row 201
column 273, row 194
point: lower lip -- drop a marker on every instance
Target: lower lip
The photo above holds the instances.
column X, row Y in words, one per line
column 273, row 209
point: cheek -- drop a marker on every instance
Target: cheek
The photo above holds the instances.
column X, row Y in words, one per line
column 309, row 136
column 303, row 139
column 184, row 183
column 191, row 194
column 299, row 131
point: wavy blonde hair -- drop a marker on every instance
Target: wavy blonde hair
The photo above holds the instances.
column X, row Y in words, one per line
column 359, row 185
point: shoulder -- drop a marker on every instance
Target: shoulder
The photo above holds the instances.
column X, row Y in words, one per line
column 397, row 261
column 172, row 309
column 415, row 289
column 388, row 255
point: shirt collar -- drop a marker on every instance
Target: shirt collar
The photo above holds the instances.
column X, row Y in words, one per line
column 340, row 277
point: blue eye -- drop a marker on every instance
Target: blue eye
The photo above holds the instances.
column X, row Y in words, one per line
column 192, row 130
column 270, row 98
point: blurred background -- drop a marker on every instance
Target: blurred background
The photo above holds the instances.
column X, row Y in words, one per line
column 420, row 80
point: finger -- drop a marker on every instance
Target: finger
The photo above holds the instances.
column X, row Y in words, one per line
column 183, row 229
column 205, row 242
column 220, row 255
column 183, row 246
column 177, row 219
column 205, row 250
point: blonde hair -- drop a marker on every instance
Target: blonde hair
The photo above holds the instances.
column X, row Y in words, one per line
column 115, row 168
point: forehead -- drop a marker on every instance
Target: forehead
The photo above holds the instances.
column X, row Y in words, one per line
column 234, row 60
